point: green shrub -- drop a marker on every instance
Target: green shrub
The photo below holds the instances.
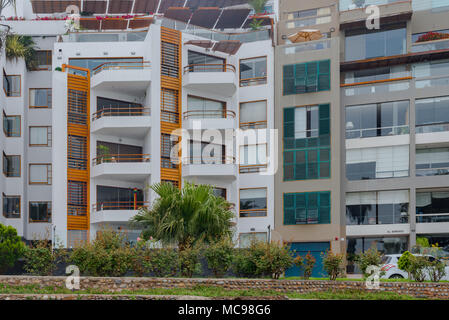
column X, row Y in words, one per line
column 219, row 256
column 276, row 259
column 418, row 267
column 333, row 264
column 245, row 260
column 436, row 270
column 371, row 257
column 41, row 259
column 140, row 259
column 163, row 262
column 309, row 262
column 189, row 258
column 108, row 255
column 405, row 261
column 11, row 247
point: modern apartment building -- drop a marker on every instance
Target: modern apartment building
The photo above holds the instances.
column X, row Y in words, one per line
column 364, row 120
column 95, row 125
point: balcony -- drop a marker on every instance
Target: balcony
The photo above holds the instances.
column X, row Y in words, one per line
column 129, row 167
column 131, row 78
column 210, row 119
column 223, row 167
column 352, row 13
column 116, row 211
column 131, row 122
column 215, row 78
column 376, row 87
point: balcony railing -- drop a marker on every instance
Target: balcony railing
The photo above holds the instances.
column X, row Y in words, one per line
column 122, row 65
column 253, row 81
column 253, row 212
column 378, row 86
column 209, row 68
column 346, row 5
column 254, row 125
column 120, row 158
column 430, row 45
column 208, row 114
column 432, row 128
column 252, row 168
column 209, row 160
column 425, row 172
column 432, row 218
column 308, row 46
column 374, row 132
column 119, row 205
column 121, row 112
column 430, row 82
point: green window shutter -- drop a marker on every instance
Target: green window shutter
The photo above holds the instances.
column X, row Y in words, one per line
column 324, row 119
column 300, row 78
column 312, row 77
column 289, row 209
column 324, row 76
column 289, row 165
column 289, row 122
column 312, row 164
column 325, row 205
column 301, row 208
column 300, row 165
column 289, row 79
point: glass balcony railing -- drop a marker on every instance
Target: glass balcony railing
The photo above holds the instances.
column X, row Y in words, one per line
column 434, row 5
column 431, row 128
column 432, row 82
column 119, row 205
column 209, row 68
column 430, row 45
column 120, row 158
column 122, row 65
column 346, row 5
column 426, row 172
column 308, row 46
column 432, row 218
column 377, row 132
column 376, row 87
column 125, row 111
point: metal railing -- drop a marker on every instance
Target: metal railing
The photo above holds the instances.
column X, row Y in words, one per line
column 119, row 205
column 253, row 212
column 208, row 114
column 120, row 158
column 253, row 81
column 431, row 128
column 432, row 218
column 424, row 172
column 254, row 125
column 373, row 132
column 122, row 65
column 208, row 160
column 217, row 67
column 121, row 112
column 252, row 168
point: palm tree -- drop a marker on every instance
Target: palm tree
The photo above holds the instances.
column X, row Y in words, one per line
column 185, row 216
column 18, row 46
column 5, row 3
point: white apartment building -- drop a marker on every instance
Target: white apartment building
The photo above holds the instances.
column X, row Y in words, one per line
column 97, row 117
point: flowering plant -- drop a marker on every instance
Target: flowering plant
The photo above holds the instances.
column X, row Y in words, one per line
column 430, row 36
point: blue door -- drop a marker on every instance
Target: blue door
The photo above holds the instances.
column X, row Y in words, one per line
column 316, row 249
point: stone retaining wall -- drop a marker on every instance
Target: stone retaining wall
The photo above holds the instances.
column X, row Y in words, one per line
column 430, row 290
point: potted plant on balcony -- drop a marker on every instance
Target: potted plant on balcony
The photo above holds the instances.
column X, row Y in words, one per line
column 103, row 154
column 258, row 6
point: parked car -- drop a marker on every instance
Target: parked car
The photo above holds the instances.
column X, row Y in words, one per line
column 390, row 267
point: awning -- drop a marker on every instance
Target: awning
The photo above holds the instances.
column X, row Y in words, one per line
column 201, row 43
column 178, row 13
column 205, row 17
column 305, row 35
column 227, row 46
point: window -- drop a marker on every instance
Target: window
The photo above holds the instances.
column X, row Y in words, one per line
column 309, row 17
column 40, row 174
column 40, row 211
column 432, row 162
column 11, row 85
column 376, row 74
column 307, row 208
column 382, row 207
column 168, row 143
column 199, row 62
column 93, row 63
column 219, row 192
column 169, row 105
column 77, row 107
column 40, row 137
column 307, row 142
column 40, row 98
column 253, row 71
column 253, row 158
column 253, row 202
column 389, row 41
column 117, row 152
column 432, row 206
column 432, row 115
column 11, row 166
column 43, row 60
column 245, row 239
column 169, row 59
column 11, row 207
column 202, row 108
column 306, row 77
column 11, row 125
column 253, row 115
column 433, row 73
column 76, row 198
column 375, row 120
column 114, row 198
column 377, row 163
column 77, row 152
column 112, row 107
column 206, row 153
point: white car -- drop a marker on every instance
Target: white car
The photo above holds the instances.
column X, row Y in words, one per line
column 390, row 267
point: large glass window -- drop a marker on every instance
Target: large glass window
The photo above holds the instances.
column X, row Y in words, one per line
column 11, row 125
column 11, row 85
column 309, row 17
column 40, row 211
column 432, row 206
column 376, row 163
column 77, row 152
column 306, row 77
column 390, row 40
column 376, row 74
column 11, row 166
column 307, row 208
column 431, row 74
column 432, row 115
column 168, row 153
column 76, row 198
column 253, row 71
column 11, row 207
column 253, row 158
column 112, row 107
column 40, row 137
column 199, row 62
column 117, row 152
column 432, row 162
column 40, row 98
column 115, row 198
column 201, row 108
column 253, row 115
column 306, row 142
column 381, row 119
column 381, row 207
column 206, row 153
column 40, row 174
column 43, row 60
column 253, row 202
